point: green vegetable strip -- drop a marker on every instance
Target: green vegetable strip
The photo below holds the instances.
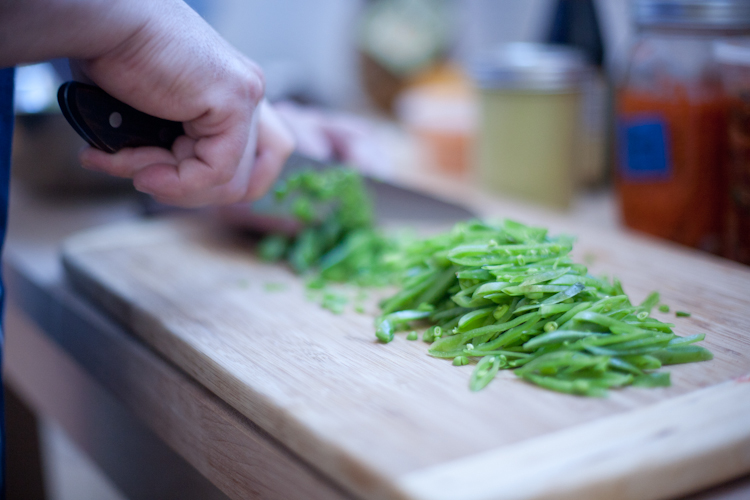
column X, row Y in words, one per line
column 438, row 287
column 615, row 326
column 456, row 342
column 622, row 365
column 551, row 310
column 390, row 322
column 581, row 387
column 662, row 339
column 683, row 354
column 555, row 337
column 545, row 276
column 484, row 372
column 644, row 362
column 650, row 301
column 449, row 313
column 474, row 318
column 507, row 354
column 512, row 336
column 582, row 306
column 489, row 288
column 528, row 289
column 406, row 297
column 691, row 339
column 566, row 294
column 651, row 380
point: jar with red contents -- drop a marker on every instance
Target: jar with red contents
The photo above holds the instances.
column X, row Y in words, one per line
column 734, row 62
column 671, row 113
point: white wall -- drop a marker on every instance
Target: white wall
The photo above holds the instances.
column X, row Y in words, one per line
column 311, row 43
column 298, row 42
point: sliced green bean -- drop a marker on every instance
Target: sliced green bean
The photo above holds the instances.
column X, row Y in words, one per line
column 390, row 322
column 449, row 313
column 690, row 339
column 529, row 289
column 484, row 372
column 683, row 354
column 550, row 310
column 661, row 379
column 578, row 387
column 644, row 361
column 650, row 301
column 556, row 337
column 439, row 285
column 474, row 319
column 622, row 365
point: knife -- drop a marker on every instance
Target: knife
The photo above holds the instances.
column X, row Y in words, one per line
column 110, row 125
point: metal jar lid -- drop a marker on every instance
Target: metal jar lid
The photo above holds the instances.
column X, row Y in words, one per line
column 692, row 14
column 529, row 66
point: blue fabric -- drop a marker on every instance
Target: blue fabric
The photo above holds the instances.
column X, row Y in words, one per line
column 6, row 137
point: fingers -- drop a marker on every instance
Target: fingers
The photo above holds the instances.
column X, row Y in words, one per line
column 237, row 165
column 126, row 162
column 275, row 144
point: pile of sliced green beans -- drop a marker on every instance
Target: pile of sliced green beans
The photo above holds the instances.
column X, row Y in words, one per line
column 501, row 295
column 509, row 297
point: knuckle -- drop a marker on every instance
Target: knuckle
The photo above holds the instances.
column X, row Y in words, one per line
column 252, row 85
column 221, row 176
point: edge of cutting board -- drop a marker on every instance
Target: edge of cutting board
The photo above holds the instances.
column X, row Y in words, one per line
column 628, row 455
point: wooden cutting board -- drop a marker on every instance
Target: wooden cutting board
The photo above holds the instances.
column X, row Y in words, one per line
column 388, row 421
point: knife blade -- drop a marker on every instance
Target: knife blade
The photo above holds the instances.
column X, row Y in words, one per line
column 110, row 125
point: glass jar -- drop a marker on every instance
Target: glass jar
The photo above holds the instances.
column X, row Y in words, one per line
column 734, row 61
column 529, row 115
column 671, row 119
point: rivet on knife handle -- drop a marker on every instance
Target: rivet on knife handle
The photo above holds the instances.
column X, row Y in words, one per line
column 110, row 125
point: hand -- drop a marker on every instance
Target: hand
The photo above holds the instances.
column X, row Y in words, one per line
column 176, row 67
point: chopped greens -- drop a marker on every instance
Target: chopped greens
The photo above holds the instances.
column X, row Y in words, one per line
column 334, row 302
column 510, row 297
column 338, row 240
column 503, row 295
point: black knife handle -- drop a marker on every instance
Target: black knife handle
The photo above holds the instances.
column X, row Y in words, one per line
column 109, row 124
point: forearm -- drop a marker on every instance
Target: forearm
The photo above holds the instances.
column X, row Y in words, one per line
column 36, row 30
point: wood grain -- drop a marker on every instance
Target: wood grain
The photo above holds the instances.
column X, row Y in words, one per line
column 64, row 371
column 644, row 454
column 381, row 419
